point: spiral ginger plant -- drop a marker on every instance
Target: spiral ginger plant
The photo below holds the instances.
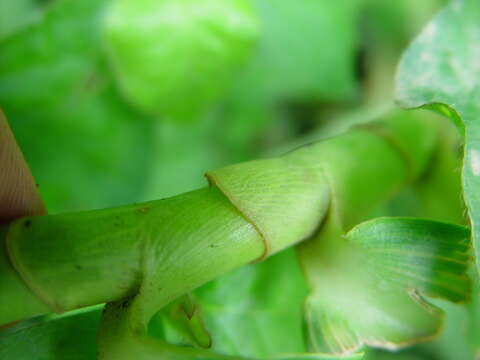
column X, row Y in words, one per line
column 288, row 257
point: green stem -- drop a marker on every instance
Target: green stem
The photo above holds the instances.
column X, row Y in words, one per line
column 287, row 199
column 76, row 260
column 163, row 249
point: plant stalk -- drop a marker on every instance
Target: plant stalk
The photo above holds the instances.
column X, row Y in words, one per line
column 249, row 211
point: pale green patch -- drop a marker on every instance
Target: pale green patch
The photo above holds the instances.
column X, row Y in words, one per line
column 177, row 58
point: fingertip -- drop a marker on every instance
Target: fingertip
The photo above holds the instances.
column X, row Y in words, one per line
column 19, row 195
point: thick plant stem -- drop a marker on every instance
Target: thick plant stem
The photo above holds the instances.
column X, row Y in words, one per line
column 287, row 200
column 163, row 249
column 75, row 260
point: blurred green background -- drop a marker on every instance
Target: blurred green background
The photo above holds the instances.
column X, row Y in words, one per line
column 121, row 101
column 73, row 75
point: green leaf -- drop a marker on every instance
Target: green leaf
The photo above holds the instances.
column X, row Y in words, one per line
column 440, row 71
column 59, row 53
column 368, row 286
column 176, row 58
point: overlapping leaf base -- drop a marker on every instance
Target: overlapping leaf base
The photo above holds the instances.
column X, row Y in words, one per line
column 370, row 292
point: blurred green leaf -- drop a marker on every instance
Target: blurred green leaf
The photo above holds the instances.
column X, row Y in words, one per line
column 68, row 337
column 387, row 28
column 176, row 58
column 48, row 65
column 306, row 52
column 397, row 22
column 16, row 14
column 182, row 153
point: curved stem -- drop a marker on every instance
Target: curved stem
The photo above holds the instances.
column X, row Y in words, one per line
column 351, row 174
column 81, row 259
column 168, row 247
